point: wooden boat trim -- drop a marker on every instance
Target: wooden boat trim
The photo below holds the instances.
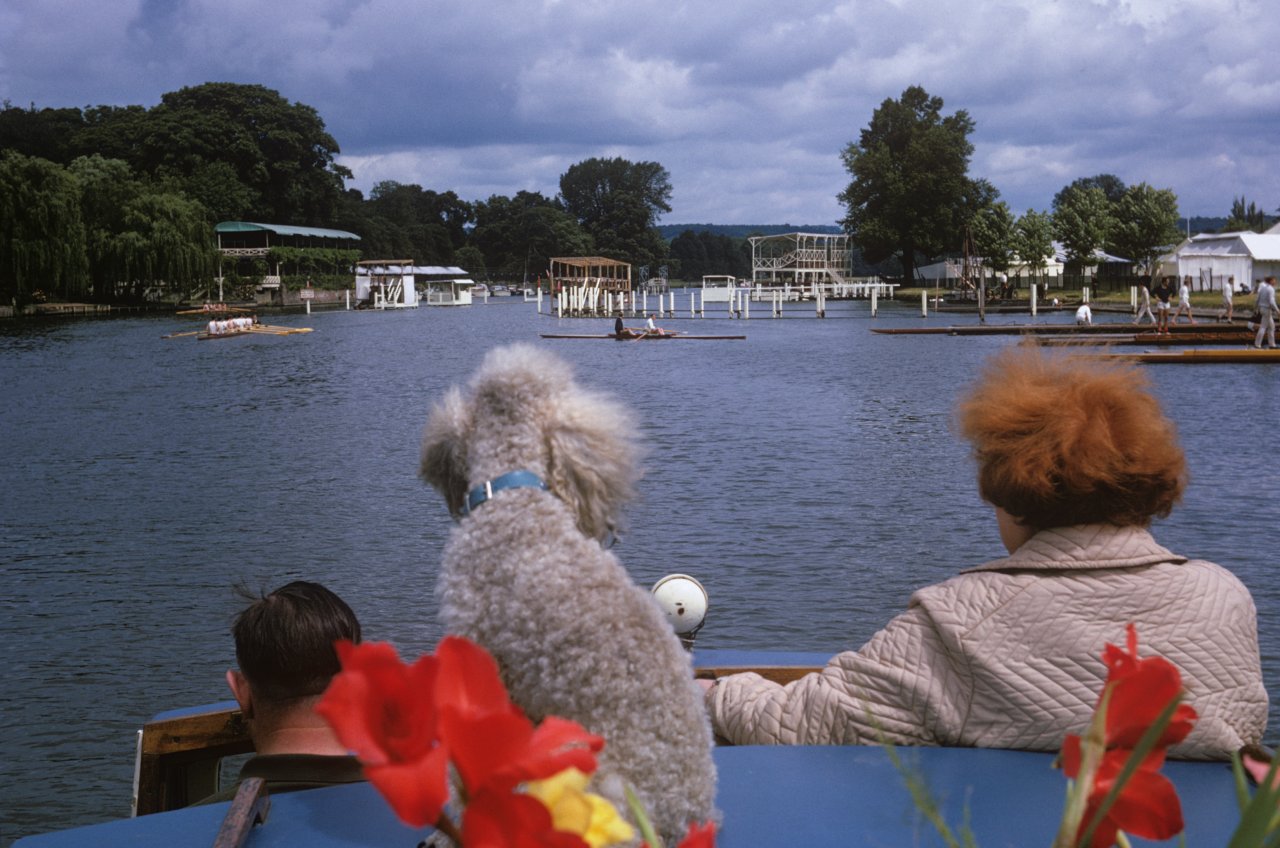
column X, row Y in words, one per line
column 178, row 755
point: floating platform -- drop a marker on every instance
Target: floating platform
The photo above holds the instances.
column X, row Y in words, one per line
column 1199, row 357
column 1048, row 329
column 644, row 338
column 1240, row 337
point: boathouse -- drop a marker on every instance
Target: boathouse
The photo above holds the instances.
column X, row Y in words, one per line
column 240, row 243
column 1212, row 258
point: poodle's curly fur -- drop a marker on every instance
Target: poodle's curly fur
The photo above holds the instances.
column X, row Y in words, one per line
column 525, row 575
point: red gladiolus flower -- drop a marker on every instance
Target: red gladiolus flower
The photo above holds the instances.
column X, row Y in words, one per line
column 385, row 712
column 1136, row 693
column 1140, row 690
column 1147, row 806
column 499, row 751
column 699, row 836
column 512, row 820
column 468, row 679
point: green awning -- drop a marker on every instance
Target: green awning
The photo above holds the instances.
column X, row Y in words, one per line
column 282, row 230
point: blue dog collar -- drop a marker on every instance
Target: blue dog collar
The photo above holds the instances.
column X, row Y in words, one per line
column 510, row 480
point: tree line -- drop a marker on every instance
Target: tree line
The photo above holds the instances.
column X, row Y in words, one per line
column 107, row 202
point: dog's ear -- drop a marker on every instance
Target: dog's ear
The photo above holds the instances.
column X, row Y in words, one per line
column 444, row 449
column 593, row 458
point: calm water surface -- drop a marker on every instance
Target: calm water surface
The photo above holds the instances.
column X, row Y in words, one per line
column 809, row 476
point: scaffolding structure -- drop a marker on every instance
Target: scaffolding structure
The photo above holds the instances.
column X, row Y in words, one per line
column 800, row 259
column 589, row 272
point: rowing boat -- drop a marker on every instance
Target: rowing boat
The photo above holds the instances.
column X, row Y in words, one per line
column 640, row 338
column 256, row 329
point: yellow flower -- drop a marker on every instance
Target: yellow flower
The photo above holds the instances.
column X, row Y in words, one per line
column 575, row 810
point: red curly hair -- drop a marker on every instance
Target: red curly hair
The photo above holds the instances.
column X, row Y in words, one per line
column 1063, row 440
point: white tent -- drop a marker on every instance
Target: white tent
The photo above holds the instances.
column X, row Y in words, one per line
column 1213, row 258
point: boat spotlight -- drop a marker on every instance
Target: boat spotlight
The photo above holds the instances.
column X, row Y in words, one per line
column 684, row 602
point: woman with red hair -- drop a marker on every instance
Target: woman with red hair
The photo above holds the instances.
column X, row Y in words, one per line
column 1076, row 459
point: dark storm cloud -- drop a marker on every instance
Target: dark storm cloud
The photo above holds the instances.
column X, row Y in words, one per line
column 747, row 104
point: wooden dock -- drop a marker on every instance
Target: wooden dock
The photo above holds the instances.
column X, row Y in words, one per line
column 1196, row 356
column 1054, row 329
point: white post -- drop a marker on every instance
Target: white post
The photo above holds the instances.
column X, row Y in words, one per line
column 924, row 304
column 874, row 290
column 746, row 306
column 1035, row 293
column 1133, row 298
column 348, row 293
column 308, row 306
column 1084, row 294
column 693, row 311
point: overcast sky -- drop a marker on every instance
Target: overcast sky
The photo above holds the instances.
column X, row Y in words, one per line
column 747, row 103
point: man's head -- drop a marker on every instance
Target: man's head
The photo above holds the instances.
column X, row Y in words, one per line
column 284, row 645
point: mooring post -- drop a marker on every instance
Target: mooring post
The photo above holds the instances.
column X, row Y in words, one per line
column 1035, row 289
column 348, row 294
column 924, row 304
column 1133, row 299
column 875, row 290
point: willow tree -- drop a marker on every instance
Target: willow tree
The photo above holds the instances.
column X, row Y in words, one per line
column 165, row 243
column 42, row 240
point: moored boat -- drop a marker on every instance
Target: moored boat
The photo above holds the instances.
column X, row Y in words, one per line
column 770, row 795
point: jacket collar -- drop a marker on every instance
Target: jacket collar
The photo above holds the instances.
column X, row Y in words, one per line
column 1084, row 547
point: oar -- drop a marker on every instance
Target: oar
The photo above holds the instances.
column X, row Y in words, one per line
column 179, row 335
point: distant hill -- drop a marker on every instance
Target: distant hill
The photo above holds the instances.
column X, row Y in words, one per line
column 670, row 231
column 1200, row 224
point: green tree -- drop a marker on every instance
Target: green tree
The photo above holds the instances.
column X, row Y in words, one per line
column 1110, row 185
column 1033, row 239
column 994, row 236
column 166, row 242
column 42, row 240
column 1244, row 218
column 699, row 253
column 1082, row 222
column 1145, row 224
column 910, row 192
column 618, row 203
column 51, row 134
column 406, row 221
column 279, row 151
column 519, row 235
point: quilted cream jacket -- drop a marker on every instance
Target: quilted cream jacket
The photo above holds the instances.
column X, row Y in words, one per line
column 1008, row 654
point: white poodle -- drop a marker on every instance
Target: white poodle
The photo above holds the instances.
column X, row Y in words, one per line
column 536, row 469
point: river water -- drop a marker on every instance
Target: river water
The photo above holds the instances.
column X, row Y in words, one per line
column 808, row 476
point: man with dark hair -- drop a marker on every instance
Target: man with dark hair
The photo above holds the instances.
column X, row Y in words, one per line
column 284, row 647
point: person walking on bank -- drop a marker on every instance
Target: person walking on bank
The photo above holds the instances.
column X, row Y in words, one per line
column 1163, row 292
column 1228, row 297
column 1144, row 301
column 1184, row 301
column 1266, row 308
